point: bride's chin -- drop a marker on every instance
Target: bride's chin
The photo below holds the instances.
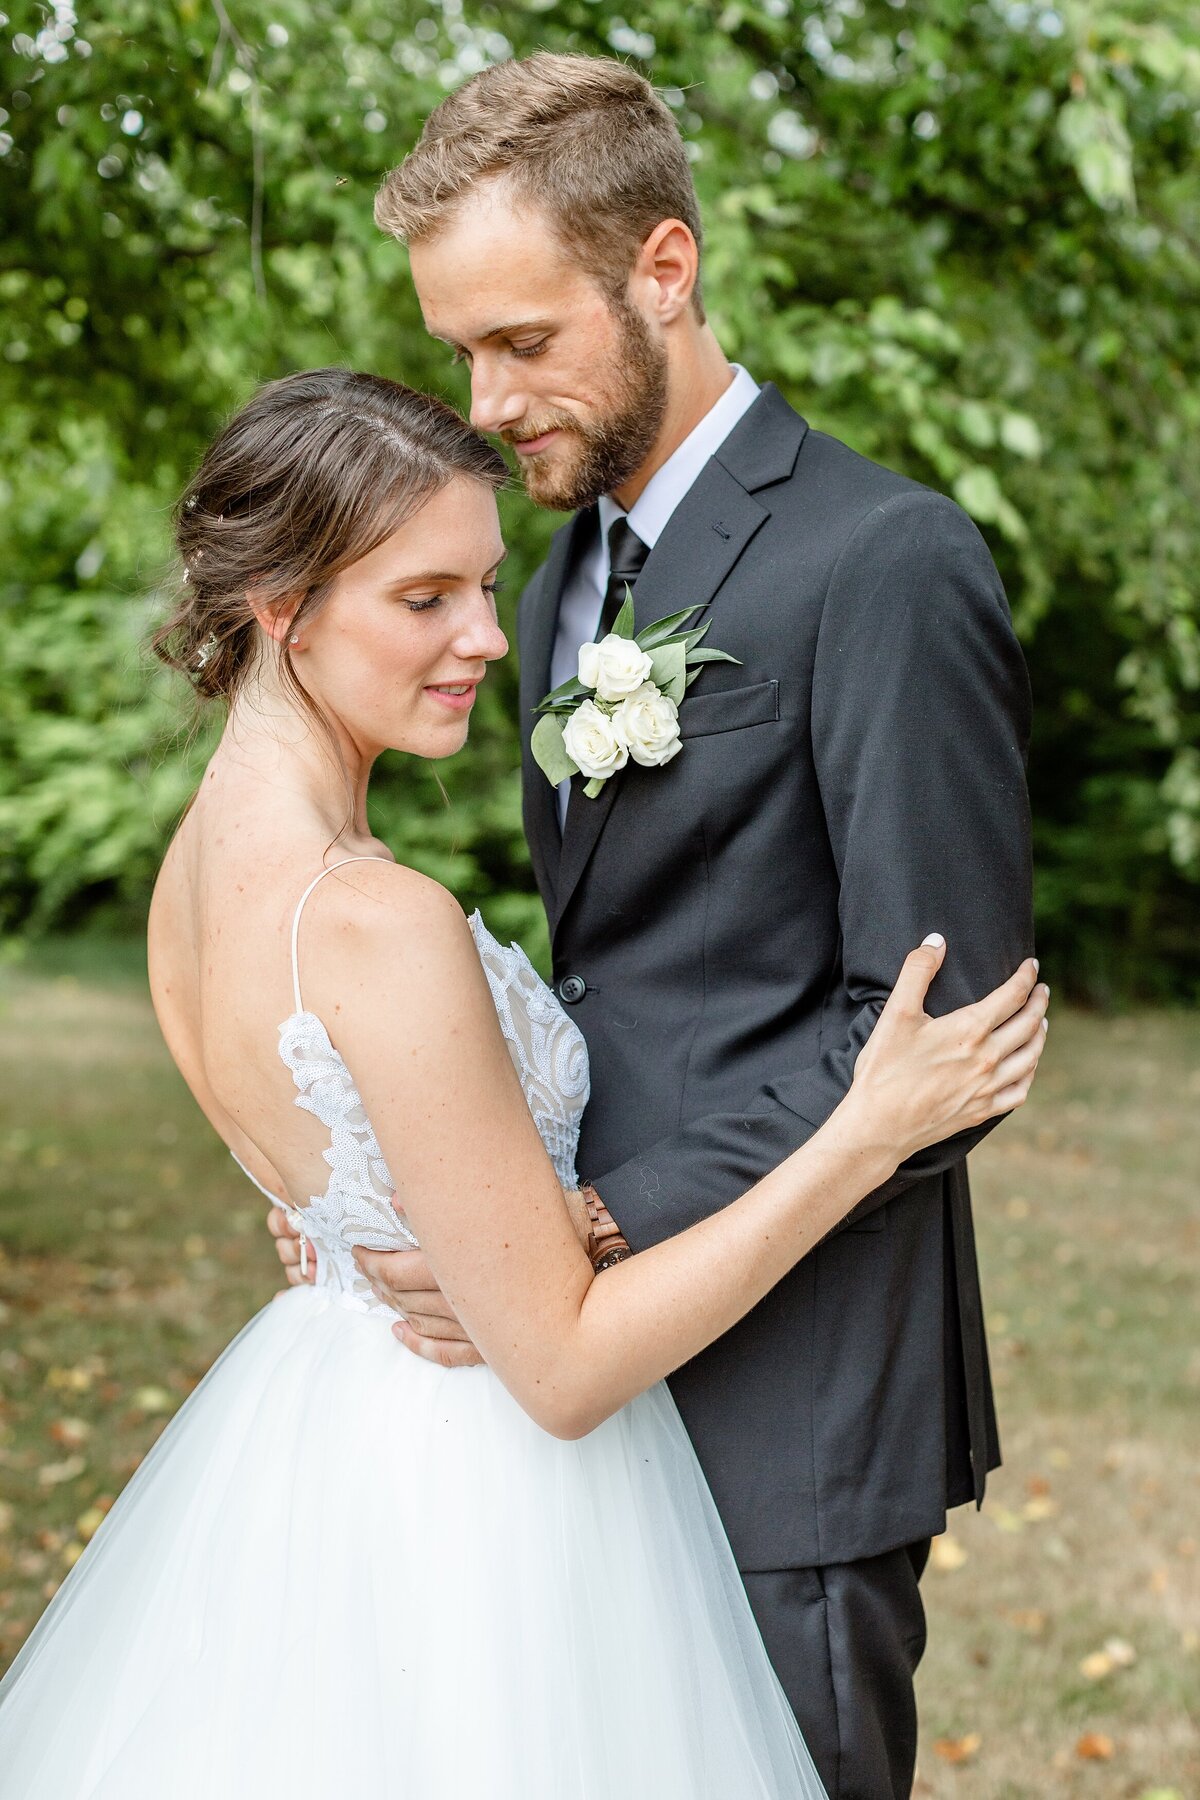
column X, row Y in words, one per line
column 434, row 746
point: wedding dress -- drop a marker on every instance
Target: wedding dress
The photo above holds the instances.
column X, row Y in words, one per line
column 345, row 1570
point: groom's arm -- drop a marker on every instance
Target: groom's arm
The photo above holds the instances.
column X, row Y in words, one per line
column 920, row 727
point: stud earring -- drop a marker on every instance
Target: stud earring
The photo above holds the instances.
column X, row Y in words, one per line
column 293, row 640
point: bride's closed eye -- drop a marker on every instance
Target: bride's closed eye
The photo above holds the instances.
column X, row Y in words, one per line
column 419, row 606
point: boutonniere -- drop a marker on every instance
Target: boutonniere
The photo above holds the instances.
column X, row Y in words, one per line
column 624, row 702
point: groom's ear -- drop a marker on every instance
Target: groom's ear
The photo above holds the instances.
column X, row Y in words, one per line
column 664, row 273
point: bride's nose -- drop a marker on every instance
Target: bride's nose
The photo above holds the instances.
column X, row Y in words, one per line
column 479, row 637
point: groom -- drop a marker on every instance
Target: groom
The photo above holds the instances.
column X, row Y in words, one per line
column 726, row 928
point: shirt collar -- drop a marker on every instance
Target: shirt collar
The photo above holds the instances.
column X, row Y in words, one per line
column 653, row 507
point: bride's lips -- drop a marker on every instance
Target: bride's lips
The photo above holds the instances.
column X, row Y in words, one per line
column 535, row 446
column 459, row 703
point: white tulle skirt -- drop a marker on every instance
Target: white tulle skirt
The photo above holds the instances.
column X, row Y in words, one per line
column 344, row 1570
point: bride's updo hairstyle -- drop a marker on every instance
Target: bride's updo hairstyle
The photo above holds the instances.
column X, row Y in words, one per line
column 313, row 473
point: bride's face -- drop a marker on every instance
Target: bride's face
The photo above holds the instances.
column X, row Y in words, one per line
column 397, row 652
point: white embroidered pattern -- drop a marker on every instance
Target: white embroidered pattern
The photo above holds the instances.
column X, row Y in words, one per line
column 550, row 1058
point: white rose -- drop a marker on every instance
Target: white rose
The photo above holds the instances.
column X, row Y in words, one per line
column 614, row 667
column 591, row 740
column 649, row 723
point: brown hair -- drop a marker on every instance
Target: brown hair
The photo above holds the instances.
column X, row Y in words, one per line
column 585, row 138
column 313, row 473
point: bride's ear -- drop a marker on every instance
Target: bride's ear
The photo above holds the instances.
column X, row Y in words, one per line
column 275, row 617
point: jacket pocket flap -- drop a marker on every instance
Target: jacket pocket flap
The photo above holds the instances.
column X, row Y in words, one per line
column 700, row 715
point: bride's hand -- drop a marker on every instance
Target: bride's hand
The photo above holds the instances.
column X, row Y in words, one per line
column 919, row 1080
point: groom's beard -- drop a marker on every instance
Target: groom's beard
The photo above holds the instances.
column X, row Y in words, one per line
column 597, row 455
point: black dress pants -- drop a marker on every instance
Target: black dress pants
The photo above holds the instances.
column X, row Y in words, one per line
column 845, row 1641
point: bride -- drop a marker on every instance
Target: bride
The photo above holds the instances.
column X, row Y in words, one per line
column 343, row 1569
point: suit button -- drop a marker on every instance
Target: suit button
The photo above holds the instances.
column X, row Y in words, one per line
column 572, row 988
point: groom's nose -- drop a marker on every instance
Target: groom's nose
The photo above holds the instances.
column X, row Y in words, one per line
column 498, row 399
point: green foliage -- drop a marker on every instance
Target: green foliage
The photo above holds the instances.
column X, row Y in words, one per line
column 963, row 235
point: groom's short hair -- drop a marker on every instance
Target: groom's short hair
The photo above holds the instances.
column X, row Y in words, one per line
column 586, row 139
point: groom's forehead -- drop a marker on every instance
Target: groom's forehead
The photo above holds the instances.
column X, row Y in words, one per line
column 493, row 267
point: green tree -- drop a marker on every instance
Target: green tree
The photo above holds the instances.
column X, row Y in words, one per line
column 963, row 235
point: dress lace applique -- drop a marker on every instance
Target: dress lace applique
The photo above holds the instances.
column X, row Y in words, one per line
column 549, row 1055
column 546, row 1047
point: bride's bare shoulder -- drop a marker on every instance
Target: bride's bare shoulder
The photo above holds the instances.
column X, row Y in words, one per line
column 381, row 922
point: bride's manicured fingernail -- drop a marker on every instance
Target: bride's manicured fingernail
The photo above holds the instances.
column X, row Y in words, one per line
column 935, row 940
column 1036, row 966
column 1045, row 1024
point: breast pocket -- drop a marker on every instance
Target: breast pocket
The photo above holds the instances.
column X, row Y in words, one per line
column 733, row 709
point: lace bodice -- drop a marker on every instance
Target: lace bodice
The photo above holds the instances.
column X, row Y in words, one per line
column 550, row 1058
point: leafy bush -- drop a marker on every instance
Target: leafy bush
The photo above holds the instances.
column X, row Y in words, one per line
column 963, row 235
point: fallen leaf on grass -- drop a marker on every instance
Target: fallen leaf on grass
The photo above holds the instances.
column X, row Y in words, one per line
column 1027, row 1618
column 69, row 1381
column 154, row 1400
column 70, row 1433
column 88, row 1523
column 1094, row 1746
column 946, row 1554
column 51, row 1474
column 958, row 1750
column 1116, row 1654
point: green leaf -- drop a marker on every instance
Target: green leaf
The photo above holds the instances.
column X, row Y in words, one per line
column 668, row 667
column 1019, row 433
column 707, row 656
column 567, row 694
column 622, row 625
column 661, row 629
column 548, row 751
column 1098, row 144
column 978, row 492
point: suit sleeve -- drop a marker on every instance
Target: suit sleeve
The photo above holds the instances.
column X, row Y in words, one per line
column 920, row 730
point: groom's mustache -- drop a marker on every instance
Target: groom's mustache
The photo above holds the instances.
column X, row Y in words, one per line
column 530, row 429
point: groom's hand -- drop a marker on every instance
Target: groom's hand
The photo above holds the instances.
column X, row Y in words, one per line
column 427, row 1325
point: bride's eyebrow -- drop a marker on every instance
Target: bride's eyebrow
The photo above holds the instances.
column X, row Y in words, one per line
column 435, row 577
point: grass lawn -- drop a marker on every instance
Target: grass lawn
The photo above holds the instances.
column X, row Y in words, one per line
column 1064, row 1650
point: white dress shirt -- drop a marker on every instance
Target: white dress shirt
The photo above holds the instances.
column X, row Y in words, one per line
column 583, row 596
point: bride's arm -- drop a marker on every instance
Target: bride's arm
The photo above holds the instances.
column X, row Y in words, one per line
column 393, row 971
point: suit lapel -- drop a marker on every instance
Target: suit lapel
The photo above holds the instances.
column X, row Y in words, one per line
column 703, row 539
column 537, row 624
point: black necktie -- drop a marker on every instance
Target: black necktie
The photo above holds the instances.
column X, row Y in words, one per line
column 626, row 554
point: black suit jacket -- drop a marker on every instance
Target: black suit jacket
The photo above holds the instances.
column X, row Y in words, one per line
column 739, row 918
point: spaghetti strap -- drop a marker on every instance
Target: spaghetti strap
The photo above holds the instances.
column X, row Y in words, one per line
column 300, row 908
